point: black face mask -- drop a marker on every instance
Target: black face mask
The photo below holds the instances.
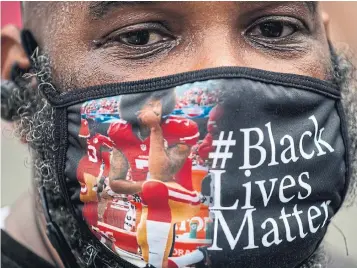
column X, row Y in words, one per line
column 226, row 167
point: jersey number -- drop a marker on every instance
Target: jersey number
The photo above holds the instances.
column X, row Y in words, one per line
column 92, row 154
column 141, row 163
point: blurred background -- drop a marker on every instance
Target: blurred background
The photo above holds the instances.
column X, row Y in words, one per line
column 15, row 159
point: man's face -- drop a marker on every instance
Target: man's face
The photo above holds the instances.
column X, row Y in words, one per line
column 93, row 43
column 153, row 105
column 112, row 42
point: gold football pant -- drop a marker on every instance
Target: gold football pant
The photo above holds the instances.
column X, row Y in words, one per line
column 164, row 204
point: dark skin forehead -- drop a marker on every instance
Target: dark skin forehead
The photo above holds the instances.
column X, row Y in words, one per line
column 84, row 39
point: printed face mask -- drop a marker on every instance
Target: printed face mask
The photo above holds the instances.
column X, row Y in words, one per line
column 227, row 167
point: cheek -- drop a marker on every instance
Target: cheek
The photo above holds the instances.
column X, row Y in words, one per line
column 314, row 62
column 94, row 70
column 309, row 65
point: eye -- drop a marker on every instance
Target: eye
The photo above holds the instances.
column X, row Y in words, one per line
column 141, row 38
column 139, row 35
column 138, row 41
column 273, row 29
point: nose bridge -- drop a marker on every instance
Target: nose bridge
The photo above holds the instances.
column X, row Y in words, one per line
column 219, row 47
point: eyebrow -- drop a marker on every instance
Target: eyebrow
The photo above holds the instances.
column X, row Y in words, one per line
column 311, row 5
column 98, row 9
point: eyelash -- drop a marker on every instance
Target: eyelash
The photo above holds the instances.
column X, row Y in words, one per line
column 297, row 25
column 151, row 27
column 293, row 43
column 130, row 51
column 124, row 50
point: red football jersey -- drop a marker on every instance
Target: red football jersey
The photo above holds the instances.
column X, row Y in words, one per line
column 95, row 143
column 84, row 129
column 89, row 167
column 175, row 130
column 214, row 115
column 206, row 146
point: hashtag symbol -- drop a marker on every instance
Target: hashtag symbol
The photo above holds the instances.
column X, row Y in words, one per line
column 226, row 144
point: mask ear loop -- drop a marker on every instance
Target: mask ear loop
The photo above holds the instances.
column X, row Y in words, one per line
column 56, row 237
column 28, row 42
